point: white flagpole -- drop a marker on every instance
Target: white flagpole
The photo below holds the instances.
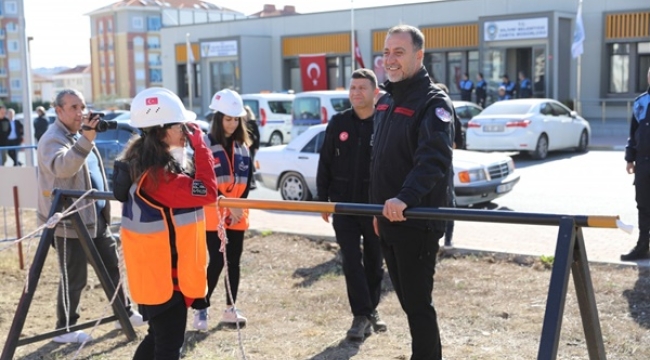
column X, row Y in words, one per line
column 352, row 42
column 579, row 102
column 189, row 65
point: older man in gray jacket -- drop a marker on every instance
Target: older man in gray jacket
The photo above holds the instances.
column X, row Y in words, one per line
column 68, row 159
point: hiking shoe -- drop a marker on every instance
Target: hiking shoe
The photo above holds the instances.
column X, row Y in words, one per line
column 135, row 319
column 638, row 253
column 76, row 337
column 233, row 316
column 377, row 323
column 361, row 327
column 201, row 319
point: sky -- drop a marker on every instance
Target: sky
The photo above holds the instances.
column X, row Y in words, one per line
column 61, row 31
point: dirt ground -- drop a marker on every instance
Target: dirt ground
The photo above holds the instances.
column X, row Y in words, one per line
column 293, row 293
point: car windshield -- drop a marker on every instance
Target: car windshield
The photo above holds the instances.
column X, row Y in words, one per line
column 340, row 104
column 507, row 108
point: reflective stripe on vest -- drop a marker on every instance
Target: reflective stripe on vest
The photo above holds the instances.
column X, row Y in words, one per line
column 146, row 241
column 232, row 178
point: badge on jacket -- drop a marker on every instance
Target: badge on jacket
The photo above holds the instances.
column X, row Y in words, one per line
column 198, row 188
column 443, row 114
column 343, row 136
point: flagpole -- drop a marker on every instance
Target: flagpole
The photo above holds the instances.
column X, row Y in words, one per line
column 579, row 100
column 188, row 66
column 352, row 47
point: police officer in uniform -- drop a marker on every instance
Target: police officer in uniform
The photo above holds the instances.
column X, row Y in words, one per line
column 509, row 87
column 525, row 86
column 466, row 87
column 343, row 176
column 637, row 155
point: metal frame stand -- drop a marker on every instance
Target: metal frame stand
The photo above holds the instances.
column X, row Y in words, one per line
column 120, row 314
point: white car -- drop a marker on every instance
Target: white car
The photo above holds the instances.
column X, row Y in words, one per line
column 291, row 169
column 317, row 107
column 273, row 114
column 533, row 125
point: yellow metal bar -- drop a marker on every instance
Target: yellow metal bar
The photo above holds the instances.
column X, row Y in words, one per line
column 307, row 206
column 602, row 221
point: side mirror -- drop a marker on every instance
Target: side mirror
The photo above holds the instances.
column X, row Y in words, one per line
column 574, row 114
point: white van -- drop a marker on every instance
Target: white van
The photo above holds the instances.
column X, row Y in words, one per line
column 317, row 107
column 273, row 114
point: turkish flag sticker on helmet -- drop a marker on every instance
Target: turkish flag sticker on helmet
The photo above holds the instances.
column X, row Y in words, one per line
column 151, row 101
column 218, row 97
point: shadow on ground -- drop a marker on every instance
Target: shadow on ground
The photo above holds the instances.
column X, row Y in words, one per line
column 637, row 298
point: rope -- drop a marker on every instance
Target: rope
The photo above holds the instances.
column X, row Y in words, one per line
column 221, row 231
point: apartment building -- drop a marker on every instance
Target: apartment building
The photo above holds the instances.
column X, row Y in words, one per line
column 76, row 78
column 125, row 42
column 11, row 68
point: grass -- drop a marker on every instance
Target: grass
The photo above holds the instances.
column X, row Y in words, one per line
column 489, row 306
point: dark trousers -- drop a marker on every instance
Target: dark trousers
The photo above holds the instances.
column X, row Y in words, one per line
column 410, row 255
column 165, row 335
column 13, row 154
column 362, row 269
column 642, row 187
column 76, row 269
column 234, row 249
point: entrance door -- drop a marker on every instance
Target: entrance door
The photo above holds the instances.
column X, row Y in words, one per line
column 538, row 75
column 224, row 75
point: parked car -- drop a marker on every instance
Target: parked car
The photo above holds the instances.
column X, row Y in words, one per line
column 292, row 168
column 110, row 144
column 466, row 110
column 533, row 125
column 316, row 107
column 273, row 114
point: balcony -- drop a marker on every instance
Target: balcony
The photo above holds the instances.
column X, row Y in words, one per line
column 3, row 72
column 3, row 33
column 4, row 91
column 3, row 53
column 155, row 63
column 153, row 46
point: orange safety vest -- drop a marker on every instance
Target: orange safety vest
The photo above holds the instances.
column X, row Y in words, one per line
column 232, row 178
column 150, row 233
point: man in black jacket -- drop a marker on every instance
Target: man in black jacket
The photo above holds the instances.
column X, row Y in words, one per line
column 410, row 167
column 5, row 129
column 343, row 176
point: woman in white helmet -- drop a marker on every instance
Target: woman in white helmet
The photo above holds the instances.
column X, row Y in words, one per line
column 229, row 141
column 163, row 221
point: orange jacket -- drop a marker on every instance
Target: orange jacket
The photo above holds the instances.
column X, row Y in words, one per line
column 232, row 179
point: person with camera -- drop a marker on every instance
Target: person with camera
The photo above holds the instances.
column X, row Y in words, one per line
column 68, row 159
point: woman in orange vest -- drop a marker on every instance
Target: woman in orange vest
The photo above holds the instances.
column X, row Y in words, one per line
column 163, row 221
column 228, row 139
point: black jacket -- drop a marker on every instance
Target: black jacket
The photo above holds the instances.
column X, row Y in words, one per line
column 40, row 126
column 412, row 146
column 638, row 144
column 344, row 163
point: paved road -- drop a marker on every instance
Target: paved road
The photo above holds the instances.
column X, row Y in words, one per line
column 594, row 183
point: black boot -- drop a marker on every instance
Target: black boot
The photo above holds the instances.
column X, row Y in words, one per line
column 360, row 328
column 640, row 251
column 377, row 323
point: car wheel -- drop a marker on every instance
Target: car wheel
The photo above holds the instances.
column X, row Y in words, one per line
column 294, row 188
column 541, row 149
column 583, row 142
column 275, row 139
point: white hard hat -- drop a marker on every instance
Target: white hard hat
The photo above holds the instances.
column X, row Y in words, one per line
column 158, row 106
column 229, row 103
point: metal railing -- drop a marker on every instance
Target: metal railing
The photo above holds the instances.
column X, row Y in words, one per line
column 605, row 109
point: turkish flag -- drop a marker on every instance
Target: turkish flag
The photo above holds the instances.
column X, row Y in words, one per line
column 357, row 54
column 378, row 66
column 313, row 71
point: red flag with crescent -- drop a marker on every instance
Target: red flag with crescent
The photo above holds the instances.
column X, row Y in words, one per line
column 313, row 71
column 357, row 54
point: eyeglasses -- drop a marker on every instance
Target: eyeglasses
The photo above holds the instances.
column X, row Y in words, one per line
column 176, row 125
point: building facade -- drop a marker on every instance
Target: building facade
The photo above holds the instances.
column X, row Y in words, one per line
column 77, row 78
column 125, row 43
column 495, row 37
column 11, row 64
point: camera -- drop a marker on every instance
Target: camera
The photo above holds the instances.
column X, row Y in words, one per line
column 102, row 125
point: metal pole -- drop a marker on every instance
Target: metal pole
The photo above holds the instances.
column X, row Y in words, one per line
column 352, row 42
column 27, row 85
column 189, row 64
column 579, row 98
column 19, row 233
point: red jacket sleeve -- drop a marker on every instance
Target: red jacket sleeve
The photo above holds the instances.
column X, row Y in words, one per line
column 182, row 191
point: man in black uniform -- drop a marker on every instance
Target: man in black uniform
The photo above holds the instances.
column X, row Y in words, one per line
column 343, row 176
column 410, row 166
column 466, row 87
column 637, row 155
column 481, row 90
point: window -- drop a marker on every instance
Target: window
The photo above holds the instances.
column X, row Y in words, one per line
column 434, row 63
column 454, row 71
column 306, row 108
column 112, row 76
column 153, row 23
column 644, row 65
column 12, row 45
column 153, row 42
column 560, row 110
column 255, row 107
column 11, row 27
column 340, row 104
column 11, row 8
column 619, row 57
column 138, row 57
column 315, row 144
column 14, row 64
column 139, row 74
column 137, row 23
column 154, row 59
column 100, row 27
column 15, row 84
column 155, row 75
column 280, row 107
column 138, row 41
column 110, row 26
